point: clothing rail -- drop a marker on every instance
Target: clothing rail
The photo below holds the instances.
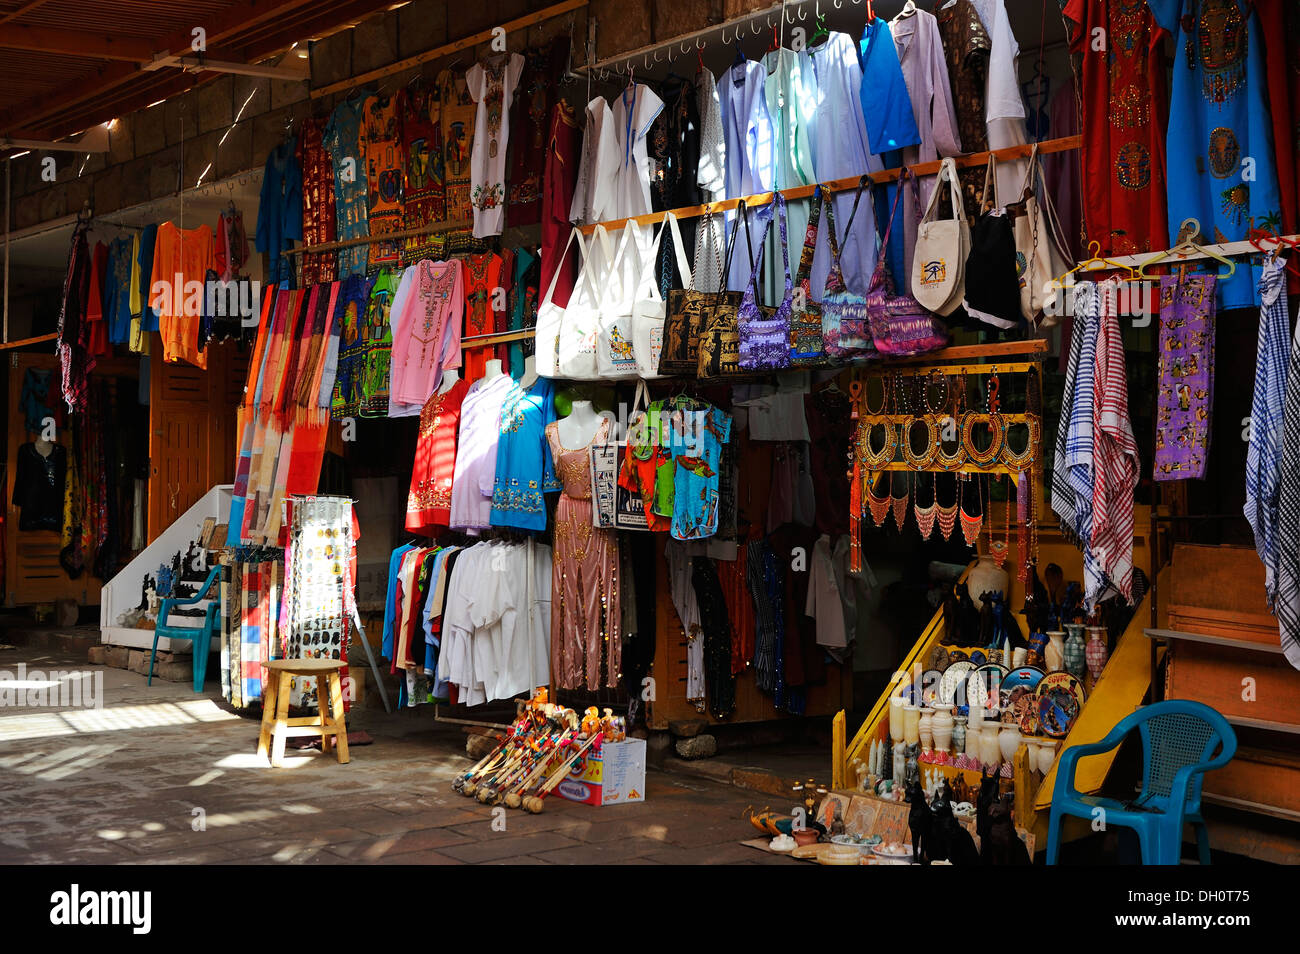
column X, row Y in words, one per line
column 1226, row 249
column 455, row 46
column 386, row 237
column 1047, row 147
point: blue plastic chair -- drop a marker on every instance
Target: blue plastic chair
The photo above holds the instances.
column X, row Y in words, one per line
column 1178, row 739
column 202, row 643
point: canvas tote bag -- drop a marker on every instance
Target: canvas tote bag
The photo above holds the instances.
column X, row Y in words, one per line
column 992, row 293
column 550, row 315
column 688, row 311
column 648, row 305
column 580, row 327
column 942, row 245
column 615, row 359
column 1040, row 244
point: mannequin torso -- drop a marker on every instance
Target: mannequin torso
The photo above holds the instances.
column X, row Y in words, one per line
column 577, row 430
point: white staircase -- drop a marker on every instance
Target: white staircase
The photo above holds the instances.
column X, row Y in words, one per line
column 122, row 593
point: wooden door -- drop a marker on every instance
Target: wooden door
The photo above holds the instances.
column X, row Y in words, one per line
column 191, row 432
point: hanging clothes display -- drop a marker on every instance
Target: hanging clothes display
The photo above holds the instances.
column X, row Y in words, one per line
column 1268, row 410
column 428, row 505
column 521, row 303
column 482, row 276
column 633, row 113
column 377, row 365
column 318, row 215
column 383, row 151
column 181, row 257
column 530, row 120
column 429, row 342
column 424, row 197
column 1186, row 377
column 1219, row 124
column 280, row 211
column 524, row 467
column 585, row 587
column 966, row 48
column 476, row 453
column 1123, row 148
column 563, row 154
column 491, row 83
column 342, row 139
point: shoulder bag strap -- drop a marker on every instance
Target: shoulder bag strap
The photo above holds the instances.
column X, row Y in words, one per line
column 550, row 289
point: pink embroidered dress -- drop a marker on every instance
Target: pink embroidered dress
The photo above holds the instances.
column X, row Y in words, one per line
column 430, row 331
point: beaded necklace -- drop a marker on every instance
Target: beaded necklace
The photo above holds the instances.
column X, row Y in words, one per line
column 925, row 515
column 971, row 526
column 900, row 503
column 948, row 515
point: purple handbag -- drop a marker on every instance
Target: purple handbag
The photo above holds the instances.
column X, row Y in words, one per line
column 900, row 326
column 845, row 331
column 765, row 331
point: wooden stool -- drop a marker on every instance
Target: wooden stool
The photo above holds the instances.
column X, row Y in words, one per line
column 276, row 724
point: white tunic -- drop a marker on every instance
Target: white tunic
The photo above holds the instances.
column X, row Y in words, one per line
column 593, row 195
column 634, row 112
column 492, row 85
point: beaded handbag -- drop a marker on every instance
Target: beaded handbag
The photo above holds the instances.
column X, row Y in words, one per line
column 764, row 330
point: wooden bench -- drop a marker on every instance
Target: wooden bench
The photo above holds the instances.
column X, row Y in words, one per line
column 329, row 724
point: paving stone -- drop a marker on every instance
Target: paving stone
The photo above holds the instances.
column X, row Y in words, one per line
column 602, row 853
column 505, row 845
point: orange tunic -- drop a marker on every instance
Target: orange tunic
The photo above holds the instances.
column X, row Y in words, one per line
column 188, row 254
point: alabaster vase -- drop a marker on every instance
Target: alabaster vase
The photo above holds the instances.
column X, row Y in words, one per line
column 911, row 724
column 1096, row 652
column 1054, row 652
column 942, row 728
column 926, row 729
column 896, row 718
column 1045, row 755
column 1008, row 741
column 990, row 754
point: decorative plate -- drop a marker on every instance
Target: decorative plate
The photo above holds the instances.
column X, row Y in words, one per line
column 984, row 682
column 1025, row 678
column 1057, row 710
column 1064, row 680
column 955, row 675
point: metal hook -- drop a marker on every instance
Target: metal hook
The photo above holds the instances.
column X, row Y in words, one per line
column 803, row 12
column 699, row 42
column 753, row 29
column 656, row 56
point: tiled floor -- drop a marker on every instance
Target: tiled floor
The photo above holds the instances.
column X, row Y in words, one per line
column 163, row 775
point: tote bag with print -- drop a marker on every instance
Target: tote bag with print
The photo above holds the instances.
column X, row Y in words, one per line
column 942, row 246
column 615, row 357
column 550, row 315
column 648, row 305
column 580, row 328
column 1040, row 242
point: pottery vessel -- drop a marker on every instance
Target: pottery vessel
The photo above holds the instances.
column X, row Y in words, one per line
column 1054, row 653
column 990, row 754
column 959, row 734
column 942, row 728
column 1009, row 741
column 1045, row 756
column 896, row 718
column 986, row 578
column 927, row 730
column 1073, row 660
column 1095, row 652
column 911, row 724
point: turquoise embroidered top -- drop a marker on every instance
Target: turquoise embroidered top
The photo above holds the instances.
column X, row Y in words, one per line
column 525, row 470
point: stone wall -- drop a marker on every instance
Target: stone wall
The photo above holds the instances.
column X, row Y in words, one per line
column 158, row 150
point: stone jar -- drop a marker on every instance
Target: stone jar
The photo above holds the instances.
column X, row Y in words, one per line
column 1009, row 741
column 1074, row 659
column 927, row 730
column 1054, row 652
column 990, row 754
column 986, row 577
column 958, row 734
column 942, row 727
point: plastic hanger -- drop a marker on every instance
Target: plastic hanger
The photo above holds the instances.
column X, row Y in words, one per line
column 1094, row 248
column 1279, row 243
column 1188, row 247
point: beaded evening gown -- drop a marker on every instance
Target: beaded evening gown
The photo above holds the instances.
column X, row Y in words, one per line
column 584, row 577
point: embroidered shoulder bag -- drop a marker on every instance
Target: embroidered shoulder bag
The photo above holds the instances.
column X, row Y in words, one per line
column 687, row 311
column 845, row 330
column 719, row 343
column 764, row 330
column 900, row 327
column 807, row 348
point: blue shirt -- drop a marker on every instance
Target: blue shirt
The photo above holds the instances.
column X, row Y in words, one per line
column 695, row 440
column 524, row 469
column 279, row 211
column 1220, row 163
column 148, row 239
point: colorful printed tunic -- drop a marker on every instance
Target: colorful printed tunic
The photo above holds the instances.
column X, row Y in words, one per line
column 967, row 46
column 482, row 276
column 458, row 111
column 525, row 470
column 695, row 441
column 424, row 198
column 1123, row 150
column 353, row 342
column 343, row 140
column 379, row 348
column 385, row 155
column 1186, row 376
column 1220, row 144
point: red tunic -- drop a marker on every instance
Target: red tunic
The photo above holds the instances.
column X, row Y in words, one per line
column 482, row 278
column 1126, row 109
column 561, row 178
column 429, row 504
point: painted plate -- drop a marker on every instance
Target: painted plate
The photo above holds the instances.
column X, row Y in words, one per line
column 1017, row 682
column 984, row 682
column 955, row 675
column 1057, row 710
column 1063, row 680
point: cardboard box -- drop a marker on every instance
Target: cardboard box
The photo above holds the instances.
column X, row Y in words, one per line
column 615, row 776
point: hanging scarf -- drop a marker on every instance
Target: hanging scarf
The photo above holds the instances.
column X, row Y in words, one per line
column 1185, row 391
column 1115, row 461
column 1267, row 420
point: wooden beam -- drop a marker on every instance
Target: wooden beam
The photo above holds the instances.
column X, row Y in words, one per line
column 22, row 11
column 242, row 17
column 99, row 46
column 24, row 342
column 464, row 43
